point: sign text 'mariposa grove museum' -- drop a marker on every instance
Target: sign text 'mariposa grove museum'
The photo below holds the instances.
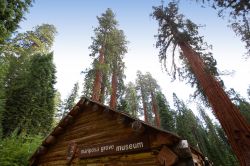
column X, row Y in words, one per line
column 94, row 135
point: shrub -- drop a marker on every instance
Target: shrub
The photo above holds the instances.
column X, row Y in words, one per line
column 16, row 149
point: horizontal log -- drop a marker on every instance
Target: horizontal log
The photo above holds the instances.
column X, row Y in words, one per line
column 50, row 140
column 82, row 101
column 92, row 139
column 42, row 150
column 66, row 121
column 75, row 111
column 93, row 128
column 144, row 158
column 95, row 107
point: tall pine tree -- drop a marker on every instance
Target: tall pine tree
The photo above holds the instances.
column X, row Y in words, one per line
column 11, row 13
column 70, row 101
column 167, row 116
column 29, row 81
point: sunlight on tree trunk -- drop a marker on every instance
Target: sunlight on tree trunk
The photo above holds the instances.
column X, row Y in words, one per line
column 156, row 111
column 98, row 79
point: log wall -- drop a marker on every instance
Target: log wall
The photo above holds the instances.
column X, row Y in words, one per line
column 90, row 124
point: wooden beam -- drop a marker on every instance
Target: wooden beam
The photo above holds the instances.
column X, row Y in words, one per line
column 50, row 140
column 107, row 113
column 86, row 103
column 122, row 119
column 138, row 127
column 66, row 120
column 57, row 131
column 81, row 102
column 75, row 111
column 42, row 150
column 95, row 107
column 167, row 157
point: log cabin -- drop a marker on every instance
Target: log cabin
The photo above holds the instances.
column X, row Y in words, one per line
column 92, row 134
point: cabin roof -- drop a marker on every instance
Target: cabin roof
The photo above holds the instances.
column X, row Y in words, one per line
column 83, row 104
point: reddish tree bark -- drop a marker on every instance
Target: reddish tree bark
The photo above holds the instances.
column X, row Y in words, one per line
column 113, row 100
column 102, row 93
column 98, row 79
column 144, row 106
column 233, row 123
column 155, row 110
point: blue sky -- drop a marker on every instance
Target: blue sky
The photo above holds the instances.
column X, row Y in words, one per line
column 76, row 19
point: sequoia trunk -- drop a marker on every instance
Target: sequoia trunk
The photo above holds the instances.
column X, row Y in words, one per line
column 233, row 123
column 103, row 90
column 155, row 110
column 144, row 106
column 113, row 99
column 98, row 79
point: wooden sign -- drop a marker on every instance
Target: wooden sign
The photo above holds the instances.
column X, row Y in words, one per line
column 131, row 145
column 72, row 147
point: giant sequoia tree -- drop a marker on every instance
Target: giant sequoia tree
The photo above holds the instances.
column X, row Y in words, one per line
column 130, row 101
column 175, row 31
column 153, row 87
column 117, row 65
column 141, row 87
column 147, row 89
column 108, row 48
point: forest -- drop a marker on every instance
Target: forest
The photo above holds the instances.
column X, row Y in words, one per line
column 31, row 106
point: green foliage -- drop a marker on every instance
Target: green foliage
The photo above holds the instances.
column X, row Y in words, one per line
column 131, row 100
column 29, row 78
column 39, row 40
column 88, row 82
column 103, row 37
column 41, row 84
column 147, row 89
column 217, row 146
column 70, row 101
column 11, row 13
column 203, row 134
column 174, row 29
column 30, row 96
column 143, row 94
column 166, row 114
column 3, row 71
column 241, row 103
column 186, row 123
column 16, row 149
column 16, row 80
